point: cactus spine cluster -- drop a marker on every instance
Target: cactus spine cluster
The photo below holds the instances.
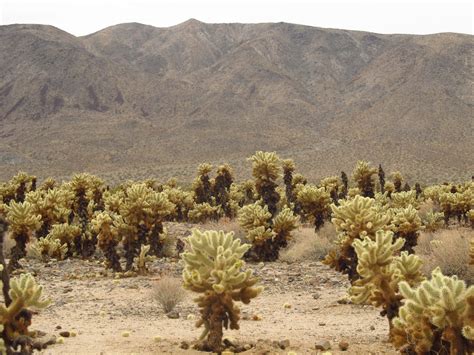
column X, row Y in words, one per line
column 214, row 269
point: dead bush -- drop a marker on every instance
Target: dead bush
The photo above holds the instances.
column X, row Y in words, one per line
column 168, row 292
column 448, row 249
column 308, row 245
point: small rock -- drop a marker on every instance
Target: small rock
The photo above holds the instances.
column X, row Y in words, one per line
column 322, row 324
column 173, row 315
column 58, row 327
column 322, row 345
column 184, row 345
column 283, row 344
column 343, row 345
column 372, row 327
column 316, row 296
column 344, row 301
column 65, row 334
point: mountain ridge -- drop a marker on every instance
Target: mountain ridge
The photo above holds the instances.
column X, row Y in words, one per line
column 197, row 92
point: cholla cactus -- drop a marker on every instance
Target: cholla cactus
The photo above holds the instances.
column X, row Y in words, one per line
column 403, row 199
column 202, row 212
column 48, row 247
column 214, row 269
column 266, row 235
column 202, row 184
column 142, row 259
column 221, row 188
column 437, row 317
column 363, row 174
column 53, row 207
column 108, row 238
column 182, row 200
column 266, row 170
column 65, row 233
column 356, row 218
column 381, row 175
column 471, row 251
column 288, row 170
column 22, row 293
column 20, row 184
column 381, row 271
column 315, row 204
column 87, row 189
column 432, row 221
column 332, row 185
column 23, row 223
column 397, row 179
column 407, row 225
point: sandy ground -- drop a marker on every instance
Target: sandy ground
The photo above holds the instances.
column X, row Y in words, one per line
column 100, row 308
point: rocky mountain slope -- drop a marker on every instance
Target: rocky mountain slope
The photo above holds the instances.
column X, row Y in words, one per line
column 137, row 101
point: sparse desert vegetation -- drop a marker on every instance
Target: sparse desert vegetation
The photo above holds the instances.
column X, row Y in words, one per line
column 358, row 263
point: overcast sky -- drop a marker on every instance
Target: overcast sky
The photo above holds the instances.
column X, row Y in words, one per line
column 81, row 17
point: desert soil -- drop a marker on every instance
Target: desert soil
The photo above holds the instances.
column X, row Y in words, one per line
column 99, row 308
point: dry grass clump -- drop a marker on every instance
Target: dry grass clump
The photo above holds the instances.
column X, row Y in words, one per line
column 308, row 245
column 448, row 249
column 168, row 292
column 426, row 207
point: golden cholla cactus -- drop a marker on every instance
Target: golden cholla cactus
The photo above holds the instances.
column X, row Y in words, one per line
column 183, row 201
column 214, row 269
column 397, row 179
column 66, row 233
column 23, row 293
column 53, row 207
column 22, row 183
column 288, row 166
column 315, row 204
column 202, row 186
column 108, row 238
column 407, row 225
column 437, row 314
column 359, row 217
column 23, row 223
column 283, row 224
column 221, row 188
column 381, row 271
column 364, row 176
column 160, row 209
column 353, row 192
column 266, row 170
column 48, row 184
column 432, row 221
column 403, row 199
column 113, row 200
column 202, row 212
column 48, row 247
column 256, row 221
column 142, row 259
column 353, row 219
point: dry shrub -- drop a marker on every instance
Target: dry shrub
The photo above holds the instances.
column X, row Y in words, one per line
column 426, row 207
column 308, row 245
column 168, row 292
column 8, row 244
column 448, row 249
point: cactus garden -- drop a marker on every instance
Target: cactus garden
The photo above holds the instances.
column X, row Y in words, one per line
column 276, row 263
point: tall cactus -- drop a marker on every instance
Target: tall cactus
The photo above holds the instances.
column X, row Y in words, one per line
column 23, row 224
column 266, row 170
column 363, row 175
column 214, row 269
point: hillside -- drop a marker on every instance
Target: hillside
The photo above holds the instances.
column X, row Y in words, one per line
column 137, row 101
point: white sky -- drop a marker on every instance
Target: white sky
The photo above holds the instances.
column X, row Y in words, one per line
column 81, row 17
